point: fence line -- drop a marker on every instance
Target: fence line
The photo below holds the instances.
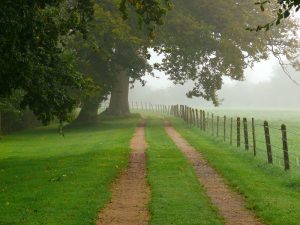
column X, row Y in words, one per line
column 237, row 131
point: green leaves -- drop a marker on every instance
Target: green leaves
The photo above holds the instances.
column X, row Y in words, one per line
column 205, row 41
column 284, row 9
column 150, row 12
column 261, row 4
column 33, row 54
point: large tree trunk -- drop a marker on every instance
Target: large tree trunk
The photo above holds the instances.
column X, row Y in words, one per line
column 119, row 105
column 89, row 110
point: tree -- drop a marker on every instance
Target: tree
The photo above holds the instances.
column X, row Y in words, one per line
column 114, row 54
column 33, row 54
column 206, row 41
column 150, row 12
column 12, row 116
column 202, row 42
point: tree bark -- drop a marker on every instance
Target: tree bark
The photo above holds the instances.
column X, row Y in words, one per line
column 89, row 110
column 118, row 105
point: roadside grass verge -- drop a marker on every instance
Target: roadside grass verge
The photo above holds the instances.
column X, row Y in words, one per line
column 49, row 179
column 271, row 193
column 177, row 196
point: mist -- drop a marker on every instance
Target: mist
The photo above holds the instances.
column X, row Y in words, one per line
column 278, row 91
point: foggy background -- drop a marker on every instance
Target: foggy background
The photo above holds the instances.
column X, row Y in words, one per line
column 265, row 86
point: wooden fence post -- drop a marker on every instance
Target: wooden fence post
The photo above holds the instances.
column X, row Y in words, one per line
column 245, row 123
column 212, row 124
column 201, row 119
column 186, row 114
column 268, row 142
column 204, row 125
column 231, row 130
column 253, row 137
column 191, row 116
column 285, row 147
column 238, row 132
column 218, row 118
column 197, row 118
column 224, row 128
column 207, row 123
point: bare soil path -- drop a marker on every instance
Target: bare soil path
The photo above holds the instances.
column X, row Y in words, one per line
column 231, row 205
column 130, row 193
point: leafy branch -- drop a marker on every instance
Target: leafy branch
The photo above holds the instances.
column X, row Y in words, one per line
column 283, row 11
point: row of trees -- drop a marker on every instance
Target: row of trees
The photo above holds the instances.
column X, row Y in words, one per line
column 61, row 54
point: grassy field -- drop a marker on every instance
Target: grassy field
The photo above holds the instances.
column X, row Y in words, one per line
column 272, row 193
column 291, row 118
column 177, row 197
column 50, row 179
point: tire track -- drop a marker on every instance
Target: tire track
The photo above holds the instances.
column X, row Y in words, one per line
column 230, row 205
column 130, row 193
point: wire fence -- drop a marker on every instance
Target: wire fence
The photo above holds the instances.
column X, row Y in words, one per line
column 274, row 144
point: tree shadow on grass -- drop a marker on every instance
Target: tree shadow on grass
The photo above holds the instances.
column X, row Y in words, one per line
column 56, row 189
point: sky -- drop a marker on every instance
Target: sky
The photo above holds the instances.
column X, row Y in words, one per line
column 265, row 86
column 261, row 72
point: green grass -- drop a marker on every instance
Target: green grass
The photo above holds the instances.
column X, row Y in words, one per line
column 177, row 197
column 49, row 179
column 272, row 193
column 275, row 118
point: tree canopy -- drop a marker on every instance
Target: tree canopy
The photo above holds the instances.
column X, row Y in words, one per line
column 200, row 42
column 55, row 51
column 33, row 54
column 206, row 41
column 35, row 57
